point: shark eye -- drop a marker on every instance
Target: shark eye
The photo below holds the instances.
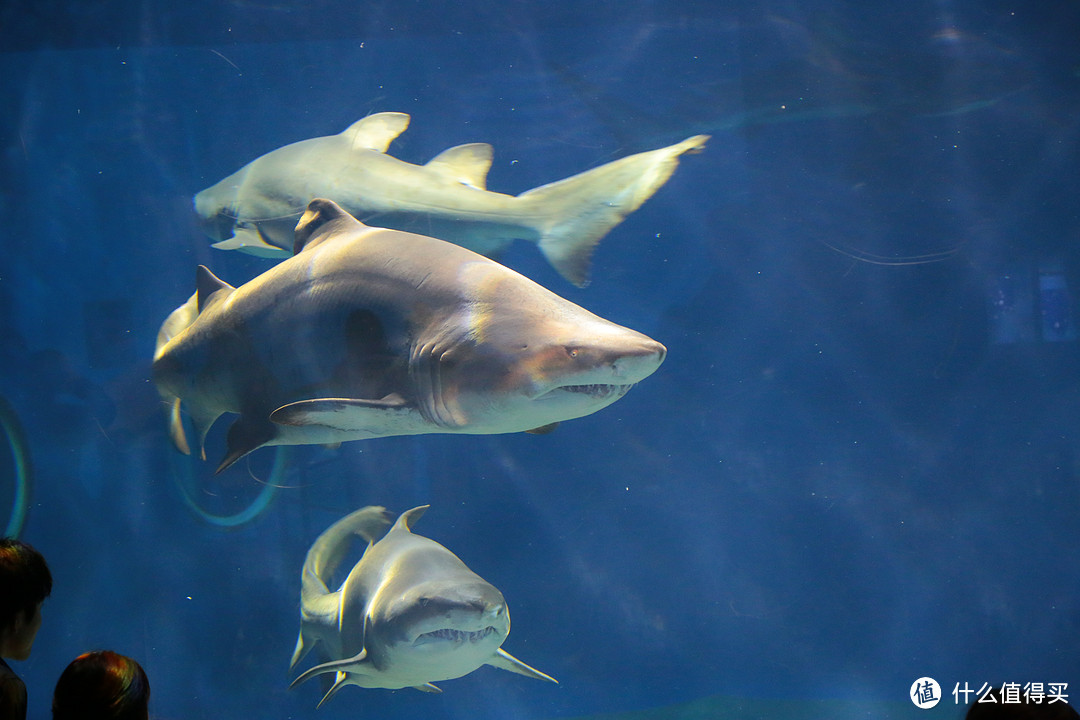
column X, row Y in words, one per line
column 571, row 352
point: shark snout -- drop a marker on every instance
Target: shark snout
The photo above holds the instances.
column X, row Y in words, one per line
column 639, row 360
column 604, row 364
column 625, row 359
column 465, row 607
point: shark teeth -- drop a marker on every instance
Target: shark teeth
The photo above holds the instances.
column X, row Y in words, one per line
column 454, row 636
column 597, row 390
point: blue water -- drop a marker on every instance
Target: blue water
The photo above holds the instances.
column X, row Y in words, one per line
column 859, row 464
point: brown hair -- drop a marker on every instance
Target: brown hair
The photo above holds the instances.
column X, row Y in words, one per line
column 102, row 685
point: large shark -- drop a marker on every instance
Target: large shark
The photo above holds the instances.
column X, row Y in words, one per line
column 410, row 612
column 256, row 208
column 369, row 332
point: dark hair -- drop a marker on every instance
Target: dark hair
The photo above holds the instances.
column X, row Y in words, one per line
column 24, row 577
column 102, row 685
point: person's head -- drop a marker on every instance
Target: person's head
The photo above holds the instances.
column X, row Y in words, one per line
column 25, row 582
column 102, row 685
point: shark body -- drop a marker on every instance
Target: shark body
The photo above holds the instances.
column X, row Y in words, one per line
column 369, row 332
column 409, row 613
column 256, row 208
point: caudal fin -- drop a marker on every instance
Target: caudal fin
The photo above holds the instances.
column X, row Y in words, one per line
column 578, row 211
column 210, row 290
column 177, row 321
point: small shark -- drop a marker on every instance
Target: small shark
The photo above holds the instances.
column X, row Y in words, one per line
column 410, row 612
column 369, row 332
column 256, row 208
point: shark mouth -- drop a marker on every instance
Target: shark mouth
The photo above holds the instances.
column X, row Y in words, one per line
column 598, row 391
column 458, row 637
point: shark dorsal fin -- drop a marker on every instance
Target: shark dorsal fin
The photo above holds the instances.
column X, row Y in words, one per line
column 209, row 287
column 315, row 223
column 376, row 132
column 409, row 517
column 466, row 164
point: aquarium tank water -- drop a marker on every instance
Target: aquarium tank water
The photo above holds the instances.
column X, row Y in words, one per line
column 732, row 346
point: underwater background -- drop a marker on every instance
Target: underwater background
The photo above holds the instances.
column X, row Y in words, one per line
column 858, row 466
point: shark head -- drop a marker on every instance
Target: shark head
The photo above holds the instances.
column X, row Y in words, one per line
column 519, row 364
column 442, row 629
column 216, row 208
column 433, row 613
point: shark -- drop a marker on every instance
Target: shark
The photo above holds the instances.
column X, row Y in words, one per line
column 370, row 332
column 410, row 613
column 255, row 209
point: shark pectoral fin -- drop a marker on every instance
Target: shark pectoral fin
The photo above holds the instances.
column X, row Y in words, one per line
column 466, row 164
column 176, row 428
column 427, row 687
column 347, row 414
column 506, row 661
column 544, row 429
column 244, row 436
column 376, row 132
column 345, row 665
column 231, row 243
column 251, row 240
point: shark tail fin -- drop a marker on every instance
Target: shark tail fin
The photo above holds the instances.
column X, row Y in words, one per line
column 577, row 212
column 210, row 289
column 177, row 321
column 330, row 548
column 176, row 428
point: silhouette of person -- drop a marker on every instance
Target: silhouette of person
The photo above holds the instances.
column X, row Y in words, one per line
column 102, row 685
column 25, row 582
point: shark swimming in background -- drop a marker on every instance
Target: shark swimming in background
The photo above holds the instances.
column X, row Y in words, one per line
column 256, row 208
column 369, row 332
column 409, row 613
